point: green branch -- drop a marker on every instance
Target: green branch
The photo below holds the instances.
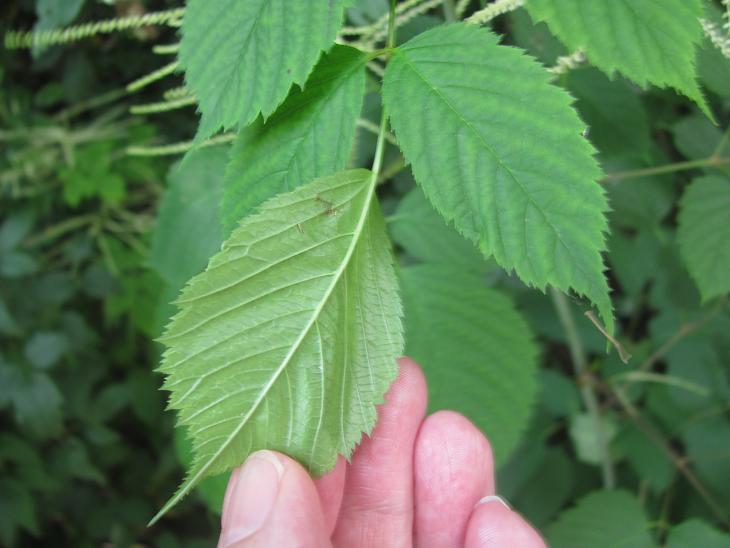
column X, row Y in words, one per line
column 712, row 161
column 580, row 366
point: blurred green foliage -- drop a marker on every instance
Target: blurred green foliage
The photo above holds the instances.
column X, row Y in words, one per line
column 95, row 244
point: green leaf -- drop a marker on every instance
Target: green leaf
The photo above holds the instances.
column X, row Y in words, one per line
column 547, row 488
column 37, row 402
column 634, row 261
column 212, row 489
column 14, row 228
column 648, row 41
column 707, row 443
column 499, row 152
column 649, row 462
column 602, row 519
column 536, row 38
column 310, row 136
column 8, row 325
column 418, row 228
column 241, row 58
column 617, row 122
column 45, row 348
column 25, row 460
column 70, row 459
column 539, row 310
column 704, row 234
column 17, row 510
column 639, row 203
column 696, row 532
column 16, row 264
column 366, row 12
column 560, row 395
column 92, row 175
column 188, row 231
column 53, row 14
column 713, row 67
column 475, row 349
column 585, row 437
column 289, row 339
column 697, row 139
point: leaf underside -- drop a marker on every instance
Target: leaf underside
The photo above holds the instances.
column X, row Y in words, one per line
column 648, row 41
column 310, row 136
column 499, row 151
column 241, row 57
column 483, row 363
column 288, row 340
column 704, row 234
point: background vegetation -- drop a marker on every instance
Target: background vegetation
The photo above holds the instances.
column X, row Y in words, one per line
column 100, row 228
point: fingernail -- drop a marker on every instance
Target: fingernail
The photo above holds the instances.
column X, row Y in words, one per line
column 493, row 498
column 253, row 495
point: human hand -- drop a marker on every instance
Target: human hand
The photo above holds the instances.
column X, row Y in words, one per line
column 414, row 482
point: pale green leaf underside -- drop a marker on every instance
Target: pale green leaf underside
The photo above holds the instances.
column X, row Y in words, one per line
column 704, row 234
column 289, row 339
column 241, row 57
column 648, row 41
column 499, row 151
column 476, row 350
column 309, row 136
column 602, row 519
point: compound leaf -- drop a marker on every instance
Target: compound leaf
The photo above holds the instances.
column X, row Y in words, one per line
column 602, row 519
column 288, row 340
column 241, row 58
column 499, row 152
column 648, row 41
column 704, row 234
column 483, row 363
column 310, row 136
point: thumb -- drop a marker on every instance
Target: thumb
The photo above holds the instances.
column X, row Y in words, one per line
column 272, row 501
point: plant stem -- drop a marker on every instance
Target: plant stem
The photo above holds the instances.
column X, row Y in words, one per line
column 580, row 364
column 722, row 142
column 53, row 232
column 669, row 168
column 89, row 104
column 380, row 145
column 680, row 462
column 683, row 331
column 449, row 11
column 390, row 43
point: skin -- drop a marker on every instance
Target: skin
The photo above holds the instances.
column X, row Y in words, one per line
column 417, row 481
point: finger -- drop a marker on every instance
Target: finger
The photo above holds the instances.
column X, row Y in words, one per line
column 331, row 487
column 272, row 501
column 454, row 469
column 494, row 525
column 377, row 507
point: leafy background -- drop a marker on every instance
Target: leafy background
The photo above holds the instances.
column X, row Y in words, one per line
column 94, row 244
